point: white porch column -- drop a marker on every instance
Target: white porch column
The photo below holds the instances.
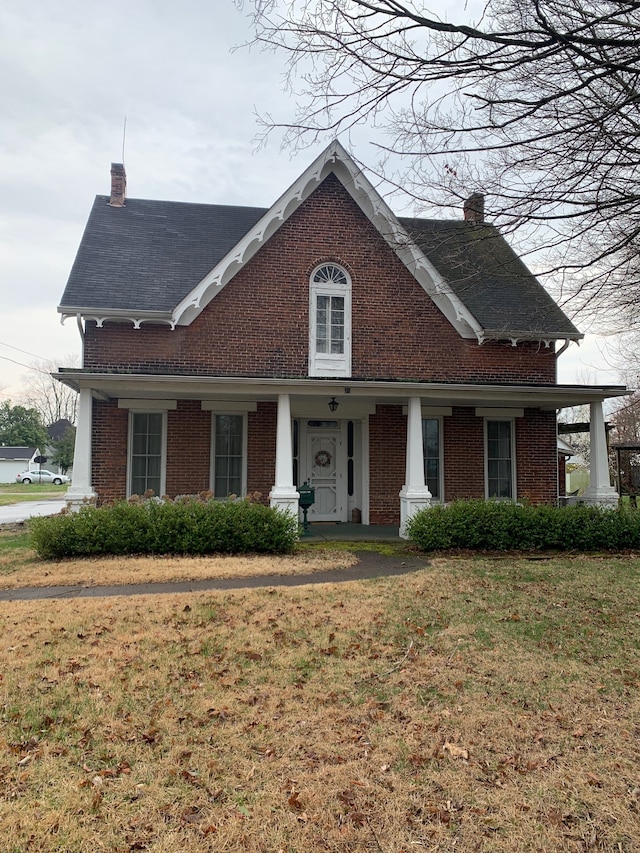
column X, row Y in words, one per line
column 599, row 491
column 284, row 494
column 415, row 494
column 81, row 491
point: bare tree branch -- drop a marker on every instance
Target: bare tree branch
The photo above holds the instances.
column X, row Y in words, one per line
column 50, row 398
column 536, row 104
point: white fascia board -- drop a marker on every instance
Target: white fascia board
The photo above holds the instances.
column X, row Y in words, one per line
column 192, row 305
column 147, row 405
column 228, row 406
column 333, row 159
column 499, row 413
column 149, row 386
column 102, row 315
column 517, row 336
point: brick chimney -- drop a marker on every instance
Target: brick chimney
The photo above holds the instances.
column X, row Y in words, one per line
column 473, row 209
column 118, row 185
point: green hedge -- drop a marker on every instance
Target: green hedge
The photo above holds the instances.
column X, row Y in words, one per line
column 185, row 526
column 502, row 526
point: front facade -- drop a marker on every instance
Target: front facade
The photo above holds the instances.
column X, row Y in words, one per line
column 387, row 363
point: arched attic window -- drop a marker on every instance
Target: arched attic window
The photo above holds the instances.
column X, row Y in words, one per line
column 329, row 321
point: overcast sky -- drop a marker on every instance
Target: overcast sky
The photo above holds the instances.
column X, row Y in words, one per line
column 71, row 70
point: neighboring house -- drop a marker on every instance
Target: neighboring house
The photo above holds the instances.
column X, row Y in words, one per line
column 57, row 430
column 324, row 340
column 14, row 460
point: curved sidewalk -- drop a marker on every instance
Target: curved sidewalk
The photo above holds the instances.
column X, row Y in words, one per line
column 371, row 565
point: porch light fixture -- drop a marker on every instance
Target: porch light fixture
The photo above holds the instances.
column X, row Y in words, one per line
column 333, row 404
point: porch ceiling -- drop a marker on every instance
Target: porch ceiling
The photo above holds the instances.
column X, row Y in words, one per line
column 150, row 387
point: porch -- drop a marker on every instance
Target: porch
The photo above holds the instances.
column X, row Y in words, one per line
column 361, row 446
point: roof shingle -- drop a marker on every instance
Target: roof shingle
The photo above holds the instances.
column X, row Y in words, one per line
column 149, row 255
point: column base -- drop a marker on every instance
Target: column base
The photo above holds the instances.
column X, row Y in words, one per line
column 607, row 497
column 77, row 497
column 285, row 499
column 411, row 502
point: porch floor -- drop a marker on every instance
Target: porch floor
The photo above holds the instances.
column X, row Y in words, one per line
column 327, row 531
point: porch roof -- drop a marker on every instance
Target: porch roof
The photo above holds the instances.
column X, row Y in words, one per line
column 151, row 387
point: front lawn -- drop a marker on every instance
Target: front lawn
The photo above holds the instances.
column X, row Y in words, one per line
column 478, row 705
column 13, row 493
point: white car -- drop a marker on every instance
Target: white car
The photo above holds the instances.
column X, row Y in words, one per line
column 42, row 477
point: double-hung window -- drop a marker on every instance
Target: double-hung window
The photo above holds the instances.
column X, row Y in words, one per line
column 147, row 452
column 229, row 475
column 330, row 321
column 499, row 459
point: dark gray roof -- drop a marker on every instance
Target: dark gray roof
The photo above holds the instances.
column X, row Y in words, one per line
column 490, row 279
column 148, row 255
column 56, row 430
column 17, row 453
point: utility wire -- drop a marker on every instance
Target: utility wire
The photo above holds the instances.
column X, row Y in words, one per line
column 26, row 352
column 22, row 364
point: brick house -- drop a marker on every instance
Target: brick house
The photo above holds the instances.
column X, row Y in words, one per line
column 388, row 362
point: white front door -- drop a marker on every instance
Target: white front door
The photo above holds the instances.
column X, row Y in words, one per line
column 325, row 471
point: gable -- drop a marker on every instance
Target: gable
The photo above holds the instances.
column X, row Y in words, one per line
column 259, row 324
column 165, row 261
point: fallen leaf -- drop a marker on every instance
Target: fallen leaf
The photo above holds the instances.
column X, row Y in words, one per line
column 294, row 801
column 456, row 751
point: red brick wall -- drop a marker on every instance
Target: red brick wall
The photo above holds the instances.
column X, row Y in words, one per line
column 537, row 456
column 258, row 324
column 188, row 449
column 463, row 443
column 387, row 440
column 261, row 450
column 109, row 451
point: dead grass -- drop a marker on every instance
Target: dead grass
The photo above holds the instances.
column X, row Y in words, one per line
column 20, row 566
column 487, row 705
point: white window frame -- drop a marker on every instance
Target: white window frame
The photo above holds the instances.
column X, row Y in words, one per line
column 329, row 364
column 212, row 462
column 163, row 451
column 440, row 497
column 512, row 439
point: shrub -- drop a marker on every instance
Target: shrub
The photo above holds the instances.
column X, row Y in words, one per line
column 503, row 526
column 184, row 526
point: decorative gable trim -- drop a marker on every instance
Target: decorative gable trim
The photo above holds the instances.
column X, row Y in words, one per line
column 334, row 159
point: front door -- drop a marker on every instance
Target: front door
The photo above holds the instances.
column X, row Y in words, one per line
column 325, row 471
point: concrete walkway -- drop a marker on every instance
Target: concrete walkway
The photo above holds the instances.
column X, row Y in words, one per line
column 331, row 532
column 370, row 565
column 15, row 513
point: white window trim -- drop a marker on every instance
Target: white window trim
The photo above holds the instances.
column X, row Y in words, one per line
column 430, row 417
column 153, row 406
column 163, row 458
column 327, row 364
column 245, row 447
column 514, row 482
